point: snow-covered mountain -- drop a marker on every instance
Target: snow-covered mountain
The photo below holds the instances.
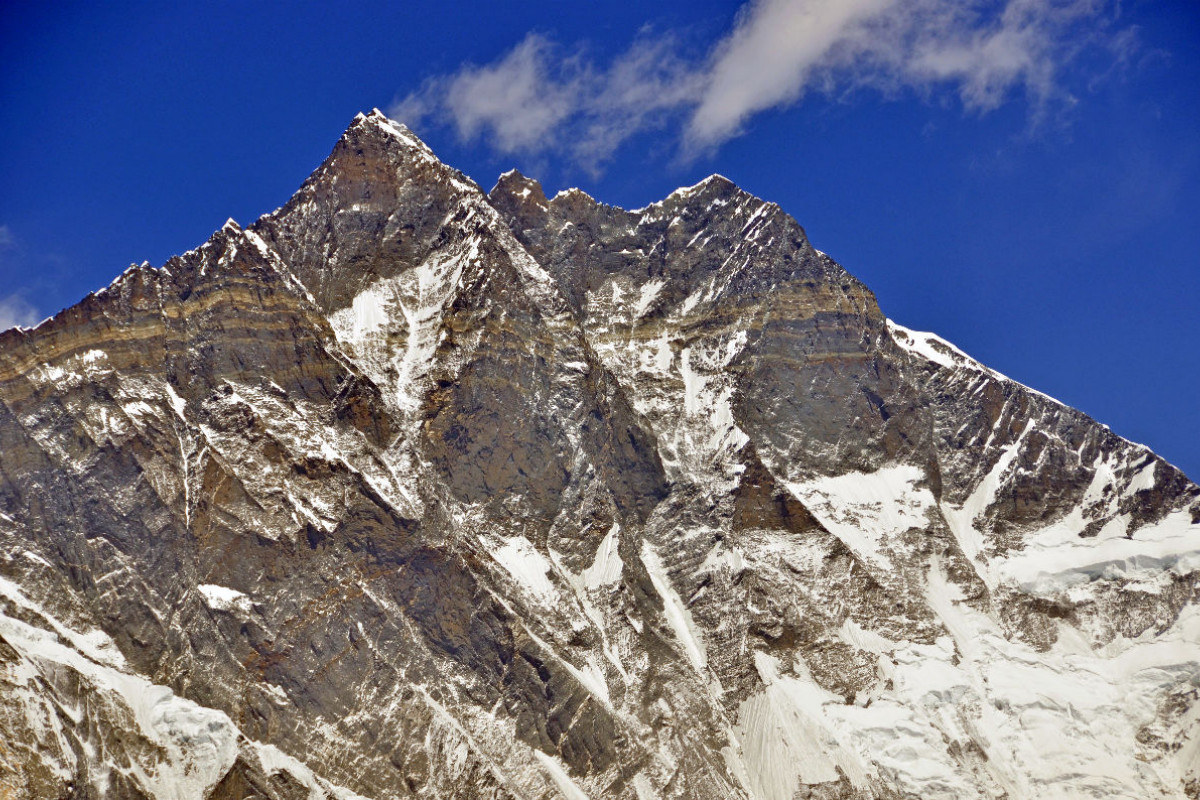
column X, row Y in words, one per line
column 409, row 489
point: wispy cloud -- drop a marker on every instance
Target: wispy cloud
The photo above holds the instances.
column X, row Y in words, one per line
column 518, row 101
column 536, row 99
column 769, row 58
column 15, row 310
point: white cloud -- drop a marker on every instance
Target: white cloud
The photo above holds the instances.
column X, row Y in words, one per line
column 1025, row 47
column 14, row 310
column 518, row 100
column 536, row 100
column 640, row 90
column 767, row 60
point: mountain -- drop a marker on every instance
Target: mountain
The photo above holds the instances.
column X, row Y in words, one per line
column 413, row 490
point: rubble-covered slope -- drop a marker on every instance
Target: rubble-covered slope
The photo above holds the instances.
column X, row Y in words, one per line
column 411, row 490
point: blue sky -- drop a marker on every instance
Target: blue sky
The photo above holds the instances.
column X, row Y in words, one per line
column 1021, row 177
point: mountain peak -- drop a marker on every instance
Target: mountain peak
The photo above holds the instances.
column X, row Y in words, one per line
column 375, row 117
column 520, row 187
column 715, row 179
column 388, row 130
column 574, row 500
column 714, row 186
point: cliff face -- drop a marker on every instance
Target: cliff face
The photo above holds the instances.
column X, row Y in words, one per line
column 412, row 490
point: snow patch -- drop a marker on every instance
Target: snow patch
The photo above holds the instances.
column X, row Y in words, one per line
column 94, row 644
column 559, row 775
column 867, row 509
column 784, row 740
column 178, row 404
column 408, row 306
column 679, row 618
column 222, row 598
column 606, row 568
column 199, row 745
column 650, row 291
column 527, row 566
column 961, row 519
column 1057, row 558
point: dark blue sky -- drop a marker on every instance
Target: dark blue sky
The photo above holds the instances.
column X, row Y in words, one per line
column 1046, row 218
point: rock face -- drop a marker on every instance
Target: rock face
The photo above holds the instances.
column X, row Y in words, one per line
column 409, row 490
